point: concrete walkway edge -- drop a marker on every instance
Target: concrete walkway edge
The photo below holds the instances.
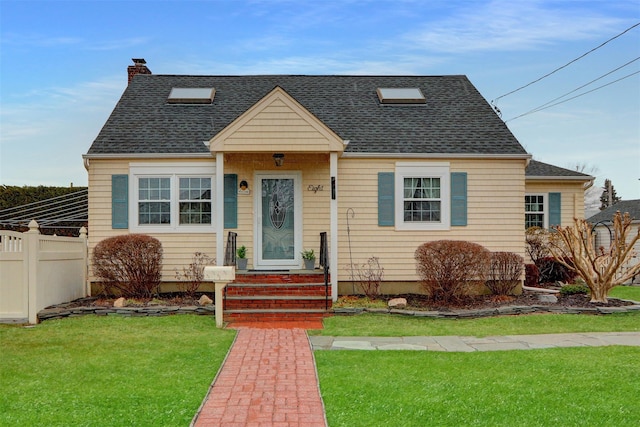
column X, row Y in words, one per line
column 471, row 343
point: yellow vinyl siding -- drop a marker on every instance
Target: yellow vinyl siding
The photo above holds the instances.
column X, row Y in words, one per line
column 495, row 209
column 276, row 123
column 495, row 213
column 178, row 248
column 315, row 215
column 572, row 197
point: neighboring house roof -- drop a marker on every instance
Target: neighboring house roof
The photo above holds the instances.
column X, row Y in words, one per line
column 539, row 170
column 455, row 119
column 631, row 206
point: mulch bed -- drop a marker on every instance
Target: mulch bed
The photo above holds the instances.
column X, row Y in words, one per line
column 414, row 301
column 423, row 302
column 169, row 299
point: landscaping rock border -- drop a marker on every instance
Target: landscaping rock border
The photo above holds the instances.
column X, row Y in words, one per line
column 64, row 310
column 60, row 311
column 497, row 311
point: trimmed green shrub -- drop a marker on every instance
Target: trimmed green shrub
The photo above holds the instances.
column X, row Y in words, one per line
column 447, row 268
column 574, row 290
column 130, row 264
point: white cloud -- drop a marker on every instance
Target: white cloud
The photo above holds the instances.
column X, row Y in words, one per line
column 509, row 26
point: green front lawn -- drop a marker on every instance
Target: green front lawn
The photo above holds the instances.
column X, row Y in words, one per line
column 107, row 371
column 547, row 387
column 385, row 325
column 551, row 387
column 626, row 292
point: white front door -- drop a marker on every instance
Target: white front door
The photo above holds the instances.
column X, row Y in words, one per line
column 278, row 220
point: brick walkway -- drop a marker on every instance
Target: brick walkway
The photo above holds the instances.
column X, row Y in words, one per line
column 268, row 379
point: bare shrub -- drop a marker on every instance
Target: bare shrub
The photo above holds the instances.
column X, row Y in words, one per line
column 191, row 277
column 130, row 264
column 447, row 268
column 601, row 270
column 504, row 272
column 369, row 276
column 537, row 243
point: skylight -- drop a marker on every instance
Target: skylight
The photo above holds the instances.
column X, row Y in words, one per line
column 397, row 95
column 196, row 95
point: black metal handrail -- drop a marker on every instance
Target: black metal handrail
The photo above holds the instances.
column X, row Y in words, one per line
column 324, row 262
column 230, row 251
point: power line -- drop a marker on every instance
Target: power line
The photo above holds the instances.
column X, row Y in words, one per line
column 542, row 107
column 567, row 64
column 574, row 97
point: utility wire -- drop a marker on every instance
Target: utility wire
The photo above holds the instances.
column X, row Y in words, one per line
column 541, row 107
column 567, row 64
column 574, row 97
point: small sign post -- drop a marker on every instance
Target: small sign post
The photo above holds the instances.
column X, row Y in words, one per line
column 220, row 276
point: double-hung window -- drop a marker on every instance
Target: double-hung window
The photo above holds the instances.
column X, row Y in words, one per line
column 542, row 210
column 425, row 202
column 154, row 200
column 534, row 211
column 171, row 198
column 195, row 200
column 422, row 201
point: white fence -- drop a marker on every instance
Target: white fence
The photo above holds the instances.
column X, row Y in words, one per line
column 604, row 236
column 37, row 271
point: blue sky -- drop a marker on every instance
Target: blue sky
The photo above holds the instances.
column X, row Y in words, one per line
column 63, row 66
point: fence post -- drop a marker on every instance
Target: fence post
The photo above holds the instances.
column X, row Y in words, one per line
column 32, row 259
column 85, row 249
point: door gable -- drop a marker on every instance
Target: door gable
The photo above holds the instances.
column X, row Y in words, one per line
column 277, row 123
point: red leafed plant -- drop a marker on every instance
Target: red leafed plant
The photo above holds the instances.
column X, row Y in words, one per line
column 130, row 264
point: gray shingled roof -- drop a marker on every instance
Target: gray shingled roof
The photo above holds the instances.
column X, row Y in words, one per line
column 455, row 119
column 631, row 206
column 539, row 169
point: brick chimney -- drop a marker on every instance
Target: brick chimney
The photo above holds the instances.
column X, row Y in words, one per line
column 139, row 67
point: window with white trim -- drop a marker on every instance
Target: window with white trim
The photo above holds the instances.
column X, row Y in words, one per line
column 535, row 212
column 425, row 203
column 422, row 202
column 195, row 200
column 154, row 200
column 169, row 198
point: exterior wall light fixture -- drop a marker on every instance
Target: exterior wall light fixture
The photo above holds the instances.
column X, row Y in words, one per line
column 278, row 158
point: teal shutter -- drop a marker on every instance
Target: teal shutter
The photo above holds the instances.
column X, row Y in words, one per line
column 386, row 199
column 458, row 198
column 119, row 201
column 230, row 201
column 555, row 202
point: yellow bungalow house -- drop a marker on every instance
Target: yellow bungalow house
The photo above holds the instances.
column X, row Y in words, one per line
column 381, row 164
